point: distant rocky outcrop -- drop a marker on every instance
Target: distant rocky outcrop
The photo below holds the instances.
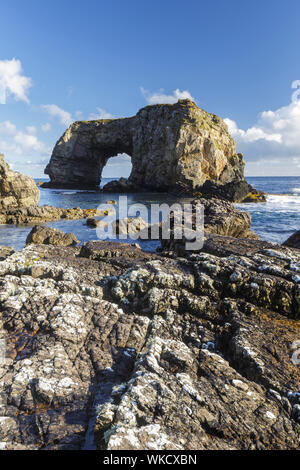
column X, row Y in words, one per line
column 40, row 235
column 41, row 214
column 177, row 147
column 16, row 190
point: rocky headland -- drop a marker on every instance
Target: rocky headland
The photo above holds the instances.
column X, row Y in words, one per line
column 179, row 148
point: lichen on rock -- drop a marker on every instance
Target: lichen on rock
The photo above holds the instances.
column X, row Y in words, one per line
column 109, row 347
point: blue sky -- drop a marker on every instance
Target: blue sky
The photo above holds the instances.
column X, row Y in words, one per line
column 66, row 60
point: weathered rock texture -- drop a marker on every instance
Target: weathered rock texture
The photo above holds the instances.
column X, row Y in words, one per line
column 120, row 349
column 176, row 146
column 16, row 190
column 41, row 214
column 40, row 235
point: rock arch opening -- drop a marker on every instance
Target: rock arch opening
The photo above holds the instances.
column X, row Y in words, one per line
column 119, row 166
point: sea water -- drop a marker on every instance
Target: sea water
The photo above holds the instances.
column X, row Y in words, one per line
column 273, row 221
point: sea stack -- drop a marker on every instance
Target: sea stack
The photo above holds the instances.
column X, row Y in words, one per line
column 173, row 147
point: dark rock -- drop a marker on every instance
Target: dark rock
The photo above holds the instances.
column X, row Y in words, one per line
column 293, row 241
column 99, row 250
column 40, row 235
column 121, row 186
column 236, row 191
column 92, row 222
column 220, row 245
column 220, row 218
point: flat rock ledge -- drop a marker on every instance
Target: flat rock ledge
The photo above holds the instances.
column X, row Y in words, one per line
column 108, row 347
column 41, row 214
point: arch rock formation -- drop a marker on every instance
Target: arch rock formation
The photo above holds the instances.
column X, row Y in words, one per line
column 173, row 147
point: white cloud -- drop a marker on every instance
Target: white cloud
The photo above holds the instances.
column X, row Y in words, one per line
column 161, row 97
column 65, row 118
column 274, row 137
column 12, row 82
column 20, row 143
column 27, row 141
column 7, row 128
column 31, row 129
column 252, row 134
column 101, row 114
column 46, row 127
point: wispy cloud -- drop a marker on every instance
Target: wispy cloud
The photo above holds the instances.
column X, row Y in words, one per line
column 12, row 82
column 20, row 142
column 64, row 117
column 46, row 127
column 161, row 97
column 101, row 114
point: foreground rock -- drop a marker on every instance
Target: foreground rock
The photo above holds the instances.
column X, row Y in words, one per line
column 16, row 190
column 109, row 347
column 293, row 241
column 40, row 235
column 5, row 251
column 177, row 147
column 220, row 218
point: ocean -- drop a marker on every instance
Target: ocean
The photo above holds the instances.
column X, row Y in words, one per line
column 273, row 221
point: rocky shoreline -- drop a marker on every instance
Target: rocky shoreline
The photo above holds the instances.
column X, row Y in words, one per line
column 105, row 346
column 110, row 347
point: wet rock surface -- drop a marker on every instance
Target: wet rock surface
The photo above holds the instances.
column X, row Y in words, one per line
column 40, row 235
column 109, row 347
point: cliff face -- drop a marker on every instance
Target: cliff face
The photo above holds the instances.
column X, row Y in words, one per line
column 176, row 146
column 16, row 190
